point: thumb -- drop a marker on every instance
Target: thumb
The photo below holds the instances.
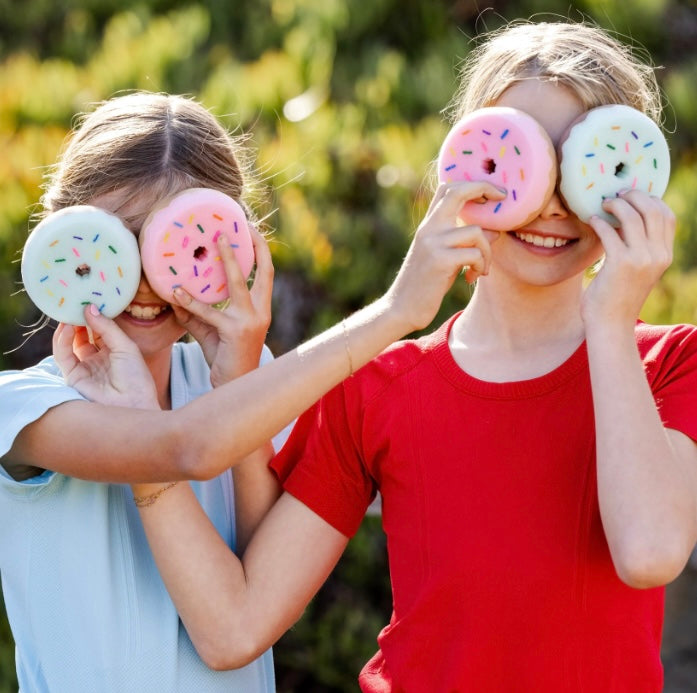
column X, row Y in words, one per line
column 449, row 206
column 111, row 335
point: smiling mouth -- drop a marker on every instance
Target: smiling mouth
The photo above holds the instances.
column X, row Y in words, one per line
column 145, row 312
column 543, row 241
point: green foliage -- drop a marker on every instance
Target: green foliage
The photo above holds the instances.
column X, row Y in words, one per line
column 343, row 100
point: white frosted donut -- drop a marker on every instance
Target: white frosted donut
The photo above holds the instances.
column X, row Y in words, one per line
column 178, row 244
column 609, row 149
column 509, row 149
column 78, row 256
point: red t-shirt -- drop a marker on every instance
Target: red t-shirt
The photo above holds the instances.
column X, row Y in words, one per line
column 501, row 575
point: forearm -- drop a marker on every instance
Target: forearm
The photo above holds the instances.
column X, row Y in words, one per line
column 235, row 609
column 203, row 576
column 277, row 393
column 645, row 485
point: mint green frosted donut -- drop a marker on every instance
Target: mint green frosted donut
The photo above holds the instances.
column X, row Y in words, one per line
column 79, row 256
column 609, row 149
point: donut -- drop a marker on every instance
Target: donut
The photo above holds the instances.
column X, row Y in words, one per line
column 78, row 256
column 606, row 150
column 178, row 244
column 511, row 150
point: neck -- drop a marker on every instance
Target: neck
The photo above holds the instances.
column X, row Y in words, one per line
column 159, row 365
column 511, row 332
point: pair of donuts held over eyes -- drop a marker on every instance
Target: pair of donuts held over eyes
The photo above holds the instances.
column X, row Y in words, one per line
column 606, row 150
column 84, row 255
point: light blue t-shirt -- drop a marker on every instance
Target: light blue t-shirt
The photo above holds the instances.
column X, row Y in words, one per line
column 88, row 609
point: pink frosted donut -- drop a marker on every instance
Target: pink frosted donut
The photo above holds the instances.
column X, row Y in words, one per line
column 609, row 149
column 78, row 256
column 178, row 244
column 509, row 149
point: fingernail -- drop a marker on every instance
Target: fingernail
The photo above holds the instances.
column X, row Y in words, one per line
column 181, row 296
column 93, row 309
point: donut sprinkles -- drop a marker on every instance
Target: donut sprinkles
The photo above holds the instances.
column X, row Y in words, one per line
column 509, row 149
column 79, row 256
column 179, row 244
column 610, row 149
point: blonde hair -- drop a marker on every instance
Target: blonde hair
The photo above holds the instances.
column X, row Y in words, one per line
column 157, row 143
column 584, row 58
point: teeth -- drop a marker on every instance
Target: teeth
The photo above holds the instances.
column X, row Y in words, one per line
column 144, row 312
column 542, row 241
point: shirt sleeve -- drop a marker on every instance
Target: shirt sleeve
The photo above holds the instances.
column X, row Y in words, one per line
column 26, row 396
column 322, row 466
column 670, row 362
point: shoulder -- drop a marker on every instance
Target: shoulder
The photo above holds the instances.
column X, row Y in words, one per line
column 669, row 354
column 46, row 371
column 398, row 363
column 26, row 395
column 657, row 342
column 36, row 381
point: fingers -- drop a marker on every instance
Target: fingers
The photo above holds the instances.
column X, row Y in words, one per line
column 642, row 215
column 236, row 281
column 197, row 317
column 473, row 250
column 62, row 343
column 263, row 276
column 450, row 198
column 647, row 228
column 106, row 332
column 193, row 315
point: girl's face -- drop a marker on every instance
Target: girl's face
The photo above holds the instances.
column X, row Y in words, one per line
column 149, row 320
column 515, row 253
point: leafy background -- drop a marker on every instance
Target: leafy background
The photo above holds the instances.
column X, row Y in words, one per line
column 343, row 100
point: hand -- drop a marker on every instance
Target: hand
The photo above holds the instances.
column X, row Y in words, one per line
column 108, row 368
column 232, row 339
column 636, row 255
column 440, row 250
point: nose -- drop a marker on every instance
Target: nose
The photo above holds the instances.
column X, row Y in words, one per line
column 143, row 285
column 554, row 209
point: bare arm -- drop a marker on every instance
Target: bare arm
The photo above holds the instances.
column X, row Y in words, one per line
column 163, row 446
column 256, row 490
column 647, row 475
column 235, row 609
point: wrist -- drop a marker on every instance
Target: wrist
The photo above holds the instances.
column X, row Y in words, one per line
column 609, row 331
column 397, row 318
column 144, row 495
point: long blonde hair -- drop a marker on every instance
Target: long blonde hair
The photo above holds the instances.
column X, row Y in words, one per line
column 584, row 58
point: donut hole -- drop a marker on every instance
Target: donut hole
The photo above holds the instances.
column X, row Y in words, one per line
column 489, row 166
column 83, row 270
column 621, row 170
column 200, row 253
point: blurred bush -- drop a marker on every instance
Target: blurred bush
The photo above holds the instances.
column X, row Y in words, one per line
column 343, row 100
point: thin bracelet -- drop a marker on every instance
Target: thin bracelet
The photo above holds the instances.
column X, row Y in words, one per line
column 145, row 501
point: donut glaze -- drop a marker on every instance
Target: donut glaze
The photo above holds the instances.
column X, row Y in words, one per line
column 509, row 149
column 609, row 149
column 78, row 256
column 178, row 244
